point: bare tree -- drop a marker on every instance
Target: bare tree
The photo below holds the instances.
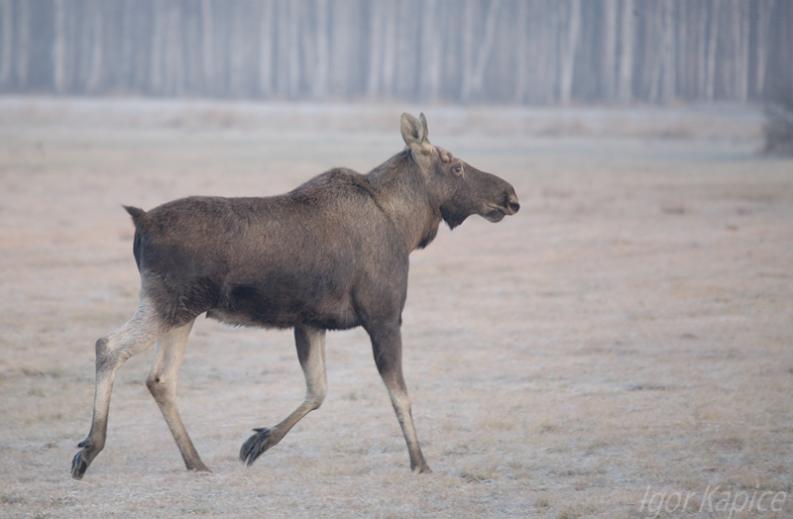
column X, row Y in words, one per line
column 713, row 33
column 669, row 64
column 321, row 80
column 59, row 47
column 625, row 88
column 22, row 41
column 7, row 45
column 761, row 46
column 567, row 56
column 430, row 51
column 472, row 83
column 608, row 53
column 742, row 56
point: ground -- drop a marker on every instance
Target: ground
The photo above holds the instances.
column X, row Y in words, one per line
column 623, row 341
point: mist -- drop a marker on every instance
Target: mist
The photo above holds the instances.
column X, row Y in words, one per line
column 537, row 52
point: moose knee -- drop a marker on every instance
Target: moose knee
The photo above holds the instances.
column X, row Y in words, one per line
column 104, row 357
column 316, row 397
column 158, row 387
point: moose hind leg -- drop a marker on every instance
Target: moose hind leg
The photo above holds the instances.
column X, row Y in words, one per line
column 138, row 334
column 162, row 381
column 310, row 344
column 387, row 349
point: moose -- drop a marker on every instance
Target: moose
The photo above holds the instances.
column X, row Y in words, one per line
column 330, row 255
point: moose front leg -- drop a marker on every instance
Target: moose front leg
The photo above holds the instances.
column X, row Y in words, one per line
column 387, row 349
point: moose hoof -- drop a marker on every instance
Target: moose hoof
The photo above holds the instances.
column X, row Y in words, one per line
column 256, row 445
column 422, row 469
column 198, row 467
column 80, row 464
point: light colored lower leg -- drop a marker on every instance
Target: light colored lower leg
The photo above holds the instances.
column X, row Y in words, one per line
column 310, row 344
column 387, row 349
column 137, row 335
column 311, row 353
column 401, row 403
column 162, row 381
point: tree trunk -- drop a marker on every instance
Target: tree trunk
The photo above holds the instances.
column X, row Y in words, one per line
column 625, row 84
column 472, row 83
column 743, row 69
column 7, row 42
column 23, row 43
column 568, row 52
column 293, row 46
column 668, row 66
column 320, row 86
column 609, row 15
column 375, row 44
column 521, row 55
column 59, row 47
column 761, row 47
column 389, row 49
column 429, row 70
column 713, row 38
column 97, row 48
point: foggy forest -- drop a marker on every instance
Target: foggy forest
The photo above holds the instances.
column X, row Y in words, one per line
column 470, row 51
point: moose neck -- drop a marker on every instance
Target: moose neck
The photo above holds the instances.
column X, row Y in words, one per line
column 403, row 194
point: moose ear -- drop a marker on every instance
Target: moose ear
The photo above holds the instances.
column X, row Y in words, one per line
column 425, row 131
column 412, row 130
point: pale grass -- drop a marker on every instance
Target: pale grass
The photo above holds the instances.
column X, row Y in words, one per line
column 630, row 328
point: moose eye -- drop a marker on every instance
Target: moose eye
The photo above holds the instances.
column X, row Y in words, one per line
column 457, row 169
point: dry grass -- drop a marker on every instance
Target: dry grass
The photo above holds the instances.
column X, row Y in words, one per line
column 629, row 328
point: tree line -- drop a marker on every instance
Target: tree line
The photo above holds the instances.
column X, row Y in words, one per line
column 470, row 51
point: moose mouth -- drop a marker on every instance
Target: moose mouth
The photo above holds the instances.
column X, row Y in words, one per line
column 495, row 213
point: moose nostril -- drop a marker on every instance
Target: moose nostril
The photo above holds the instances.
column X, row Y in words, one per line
column 509, row 202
